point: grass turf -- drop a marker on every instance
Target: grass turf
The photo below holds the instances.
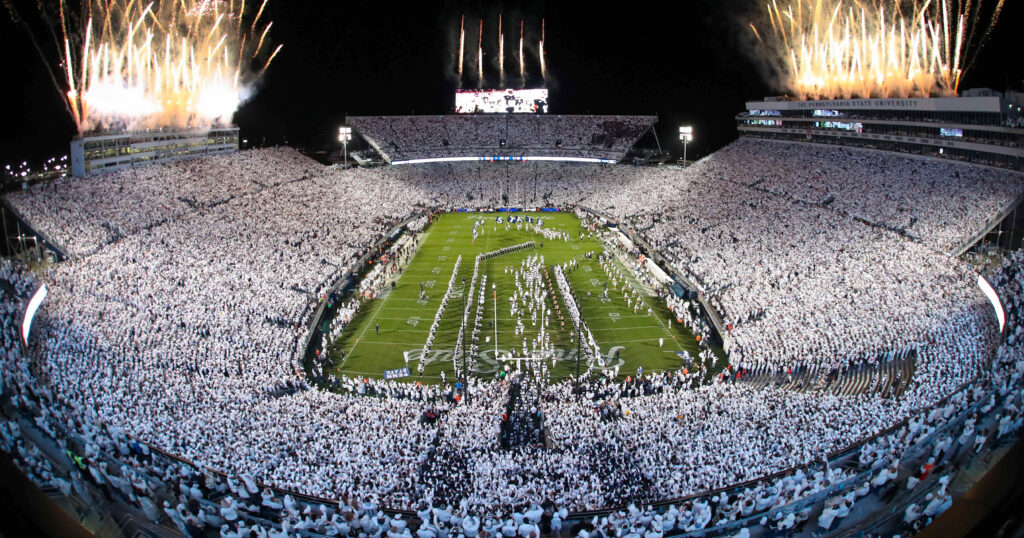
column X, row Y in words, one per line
column 627, row 339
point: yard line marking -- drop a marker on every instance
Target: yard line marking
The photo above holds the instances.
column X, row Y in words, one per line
column 645, row 299
column 422, row 319
column 360, row 337
column 617, row 342
column 595, row 329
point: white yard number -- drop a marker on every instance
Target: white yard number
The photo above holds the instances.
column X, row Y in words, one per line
column 429, row 284
column 436, row 270
column 614, row 316
column 414, row 321
column 442, row 258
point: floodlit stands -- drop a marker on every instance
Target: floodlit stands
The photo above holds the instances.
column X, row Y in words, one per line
column 182, row 322
column 403, row 138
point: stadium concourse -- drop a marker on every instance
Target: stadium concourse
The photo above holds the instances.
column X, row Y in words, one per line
column 167, row 357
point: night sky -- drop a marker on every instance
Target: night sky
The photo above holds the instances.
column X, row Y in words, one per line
column 688, row 61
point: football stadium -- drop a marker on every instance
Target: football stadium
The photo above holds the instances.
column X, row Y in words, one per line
column 510, row 316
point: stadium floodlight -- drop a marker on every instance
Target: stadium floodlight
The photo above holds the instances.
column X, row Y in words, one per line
column 686, row 135
column 345, row 136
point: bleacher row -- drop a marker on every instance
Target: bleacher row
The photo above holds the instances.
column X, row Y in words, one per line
column 888, row 379
column 481, row 135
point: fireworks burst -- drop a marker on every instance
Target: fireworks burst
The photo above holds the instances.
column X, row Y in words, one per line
column 462, row 44
column 522, row 61
column 468, row 66
column 879, row 48
column 540, row 48
column 182, row 63
column 501, row 51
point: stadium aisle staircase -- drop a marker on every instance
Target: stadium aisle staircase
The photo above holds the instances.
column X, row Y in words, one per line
column 888, row 379
column 524, row 425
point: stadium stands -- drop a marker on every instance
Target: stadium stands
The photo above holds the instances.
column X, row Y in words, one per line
column 399, row 138
column 176, row 328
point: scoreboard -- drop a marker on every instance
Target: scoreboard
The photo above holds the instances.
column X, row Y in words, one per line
column 501, row 101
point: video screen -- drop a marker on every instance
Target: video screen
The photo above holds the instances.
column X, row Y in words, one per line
column 501, row 101
column 844, row 125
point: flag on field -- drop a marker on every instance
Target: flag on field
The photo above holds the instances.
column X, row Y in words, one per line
column 395, row 374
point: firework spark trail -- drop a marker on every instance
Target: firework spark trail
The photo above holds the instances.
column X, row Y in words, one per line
column 522, row 62
column 540, row 48
column 132, row 64
column 462, row 44
column 271, row 58
column 480, row 53
column 846, row 48
column 501, row 51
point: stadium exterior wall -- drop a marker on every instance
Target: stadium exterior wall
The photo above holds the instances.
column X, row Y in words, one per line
column 109, row 152
column 933, row 104
column 975, row 129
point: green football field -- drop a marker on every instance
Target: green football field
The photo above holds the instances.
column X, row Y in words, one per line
column 399, row 320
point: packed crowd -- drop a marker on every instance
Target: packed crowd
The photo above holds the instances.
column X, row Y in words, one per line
column 178, row 331
column 922, row 198
column 94, row 212
column 802, row 285
column 418, row 137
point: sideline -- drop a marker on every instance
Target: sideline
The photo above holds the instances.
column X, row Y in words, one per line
column 360, row 337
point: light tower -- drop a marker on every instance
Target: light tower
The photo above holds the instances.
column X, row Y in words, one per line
column 345, row 136
column 686, row 135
